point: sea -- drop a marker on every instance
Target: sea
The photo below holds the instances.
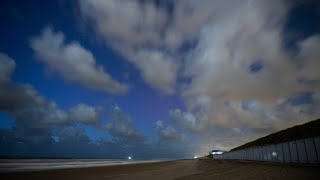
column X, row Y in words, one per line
column 22, row 165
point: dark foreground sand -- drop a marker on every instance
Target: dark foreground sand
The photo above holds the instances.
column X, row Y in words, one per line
column 179, row 169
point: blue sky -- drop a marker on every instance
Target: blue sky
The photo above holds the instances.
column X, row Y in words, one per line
column 172, row 77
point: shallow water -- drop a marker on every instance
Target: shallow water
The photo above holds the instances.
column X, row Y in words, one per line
column 17, row 165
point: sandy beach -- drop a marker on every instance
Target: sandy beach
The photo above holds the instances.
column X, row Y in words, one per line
column 178, row 169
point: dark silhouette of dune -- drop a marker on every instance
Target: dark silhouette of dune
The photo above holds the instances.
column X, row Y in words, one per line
column 310, row 129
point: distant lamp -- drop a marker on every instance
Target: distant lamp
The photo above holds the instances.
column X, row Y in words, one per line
column 129, row 157
column 274, row 154
column 216, row 152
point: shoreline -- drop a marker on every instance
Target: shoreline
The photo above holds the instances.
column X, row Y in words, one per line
column 32, row 165
column 177, row 169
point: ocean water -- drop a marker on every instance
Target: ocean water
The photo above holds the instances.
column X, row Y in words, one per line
column 19, row 165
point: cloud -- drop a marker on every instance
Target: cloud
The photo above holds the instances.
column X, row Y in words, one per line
column 231, row 44
column 42, row 129
column 157, row 69
column 308, row 57
column 33, row 113
column 6, row 68
column 239, row 72
column 151, row 35
column 225, row 94
column 149, row 24
column 36, row 117
column 73, row 62
column 184, row 119
column 229, row 60
column 72, row 134
column 168, row 134
column 84, row 113
column 121, row 127
column 136, row 33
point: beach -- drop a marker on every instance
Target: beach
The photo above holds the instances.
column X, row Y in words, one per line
column 203, row 168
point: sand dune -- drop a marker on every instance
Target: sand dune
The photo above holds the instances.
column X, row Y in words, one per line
column 179, row 169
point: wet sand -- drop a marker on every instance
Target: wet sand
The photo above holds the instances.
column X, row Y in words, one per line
column 179, row 169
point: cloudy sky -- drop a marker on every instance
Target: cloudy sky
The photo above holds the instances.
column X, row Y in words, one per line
column 152, row 78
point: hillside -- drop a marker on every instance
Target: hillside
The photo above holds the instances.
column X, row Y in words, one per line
column 310, row 129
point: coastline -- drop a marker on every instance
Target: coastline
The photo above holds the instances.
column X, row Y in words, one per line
column 29, row 165
column 177, row 169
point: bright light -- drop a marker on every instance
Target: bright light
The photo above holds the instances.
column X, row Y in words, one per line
column 195, row 157
column 274, row 154
column 214, row 153
column 129, row 157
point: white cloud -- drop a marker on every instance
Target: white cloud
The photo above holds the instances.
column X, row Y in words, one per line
column 84, row 113
column 309, row 58
column 73, row 62
column 185, row 119
column 230, row 44
column 136, row 30
column 157, row 69
column 220, row 69
column 228, row 101
column 126, row 21
column 167, row 133
column 225, row 97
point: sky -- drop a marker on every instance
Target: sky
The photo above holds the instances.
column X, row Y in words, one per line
column 151, row 78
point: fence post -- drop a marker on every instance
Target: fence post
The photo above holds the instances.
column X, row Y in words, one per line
column 317, row 145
